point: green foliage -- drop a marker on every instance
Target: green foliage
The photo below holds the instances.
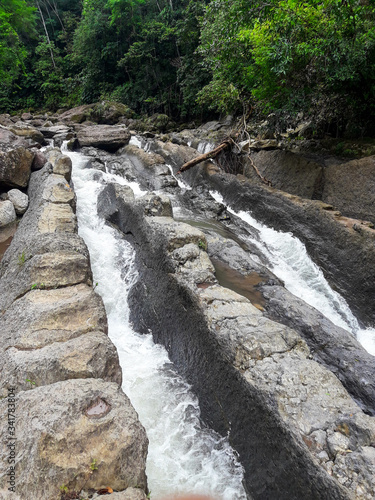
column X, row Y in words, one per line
column 93, row 465
column 22, row 258
column 188, row 58
column 17, row 20
column 290, row 55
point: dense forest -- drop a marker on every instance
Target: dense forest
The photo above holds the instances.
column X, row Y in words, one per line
column 192, row 58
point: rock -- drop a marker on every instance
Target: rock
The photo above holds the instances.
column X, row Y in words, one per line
column 289, row 172
column 27, row 132
column 63, row 166
column 26, row 116
column 305, row 130
column 149, row 168
column 254, row 377
column 50, row 131
column 145, row 159
column 39, row 160
column 264, row 144
column 331, row 240
column 73, row 420
column 20, row 200
column 107, row 198
column 129, row 494
column 350, row 187
column 5, row 120
column 107, row 137
column 58, row 139
column 109, row 112
column 77, row 114
column 332, row 346
column 7, row 213
column 15, row 167
column 66, row 427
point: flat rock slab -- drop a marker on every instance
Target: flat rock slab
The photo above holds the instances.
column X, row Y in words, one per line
column 107, row 137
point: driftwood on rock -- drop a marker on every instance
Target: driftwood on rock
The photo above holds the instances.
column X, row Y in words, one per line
column 206, row 156
column 226, row 144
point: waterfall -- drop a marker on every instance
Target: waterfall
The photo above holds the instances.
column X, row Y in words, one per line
column 291, row 263
column 184, row 455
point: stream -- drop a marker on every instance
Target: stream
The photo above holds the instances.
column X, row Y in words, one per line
column 184, row 455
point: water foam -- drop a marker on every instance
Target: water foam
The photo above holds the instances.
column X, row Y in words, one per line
column 291, row 263
column 184, row 456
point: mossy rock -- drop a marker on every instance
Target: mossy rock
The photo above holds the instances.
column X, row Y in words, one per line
column 109, row 112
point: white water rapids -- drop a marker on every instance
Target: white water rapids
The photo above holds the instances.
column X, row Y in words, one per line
column 184, row 456
column 302, row 277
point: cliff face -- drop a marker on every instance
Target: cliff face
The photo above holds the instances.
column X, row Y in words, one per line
column 74, row 427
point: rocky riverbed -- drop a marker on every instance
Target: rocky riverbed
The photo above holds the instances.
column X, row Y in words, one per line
column 294, row 392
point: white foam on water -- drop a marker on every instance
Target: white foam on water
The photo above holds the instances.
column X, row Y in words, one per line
column 184, row 456
column 291, row 263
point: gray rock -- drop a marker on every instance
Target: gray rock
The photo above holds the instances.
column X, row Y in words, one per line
column 337, row 244
column 27, row 132
column 65, row 427
column 254, row 376
column 129, row 494
column 289, row 172
column 7, row 213
column 15, row 167
column 27, row 116
column 350, row 187
column 50, row 131
column 39, row 160
column 107, row 137
column 19, row 199
column 73, row 421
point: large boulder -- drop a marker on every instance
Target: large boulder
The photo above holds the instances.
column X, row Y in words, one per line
column 72, row 435
column 107, row 137
column 9, row 140
column 109, row 112
column 39, row 160
column 350, row 187
column 19, row 199
column 50, row 132
column 75, row 428
column 27, row 132
column 76, row 115
column 15, row 167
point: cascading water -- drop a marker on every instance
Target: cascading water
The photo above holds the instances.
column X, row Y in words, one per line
column 184, row 455
column 302, row 277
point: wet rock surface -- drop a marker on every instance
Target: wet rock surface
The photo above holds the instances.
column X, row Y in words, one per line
column 297, row 430
column 57, row 359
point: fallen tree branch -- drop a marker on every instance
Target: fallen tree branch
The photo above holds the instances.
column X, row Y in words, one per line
column 206, row 156
column 263, row 179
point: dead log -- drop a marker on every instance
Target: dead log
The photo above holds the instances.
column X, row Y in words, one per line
column 206, row 156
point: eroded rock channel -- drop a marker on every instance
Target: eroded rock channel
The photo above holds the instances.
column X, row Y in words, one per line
column 269, row 376
column 293, row 392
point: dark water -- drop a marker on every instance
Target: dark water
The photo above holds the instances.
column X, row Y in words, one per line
column 243, row 285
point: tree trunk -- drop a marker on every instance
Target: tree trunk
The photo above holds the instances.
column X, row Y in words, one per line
column 47, row 35
column 211, row 154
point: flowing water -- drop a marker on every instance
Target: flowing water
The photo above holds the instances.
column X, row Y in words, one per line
column 184, row 456
column 302, row 277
